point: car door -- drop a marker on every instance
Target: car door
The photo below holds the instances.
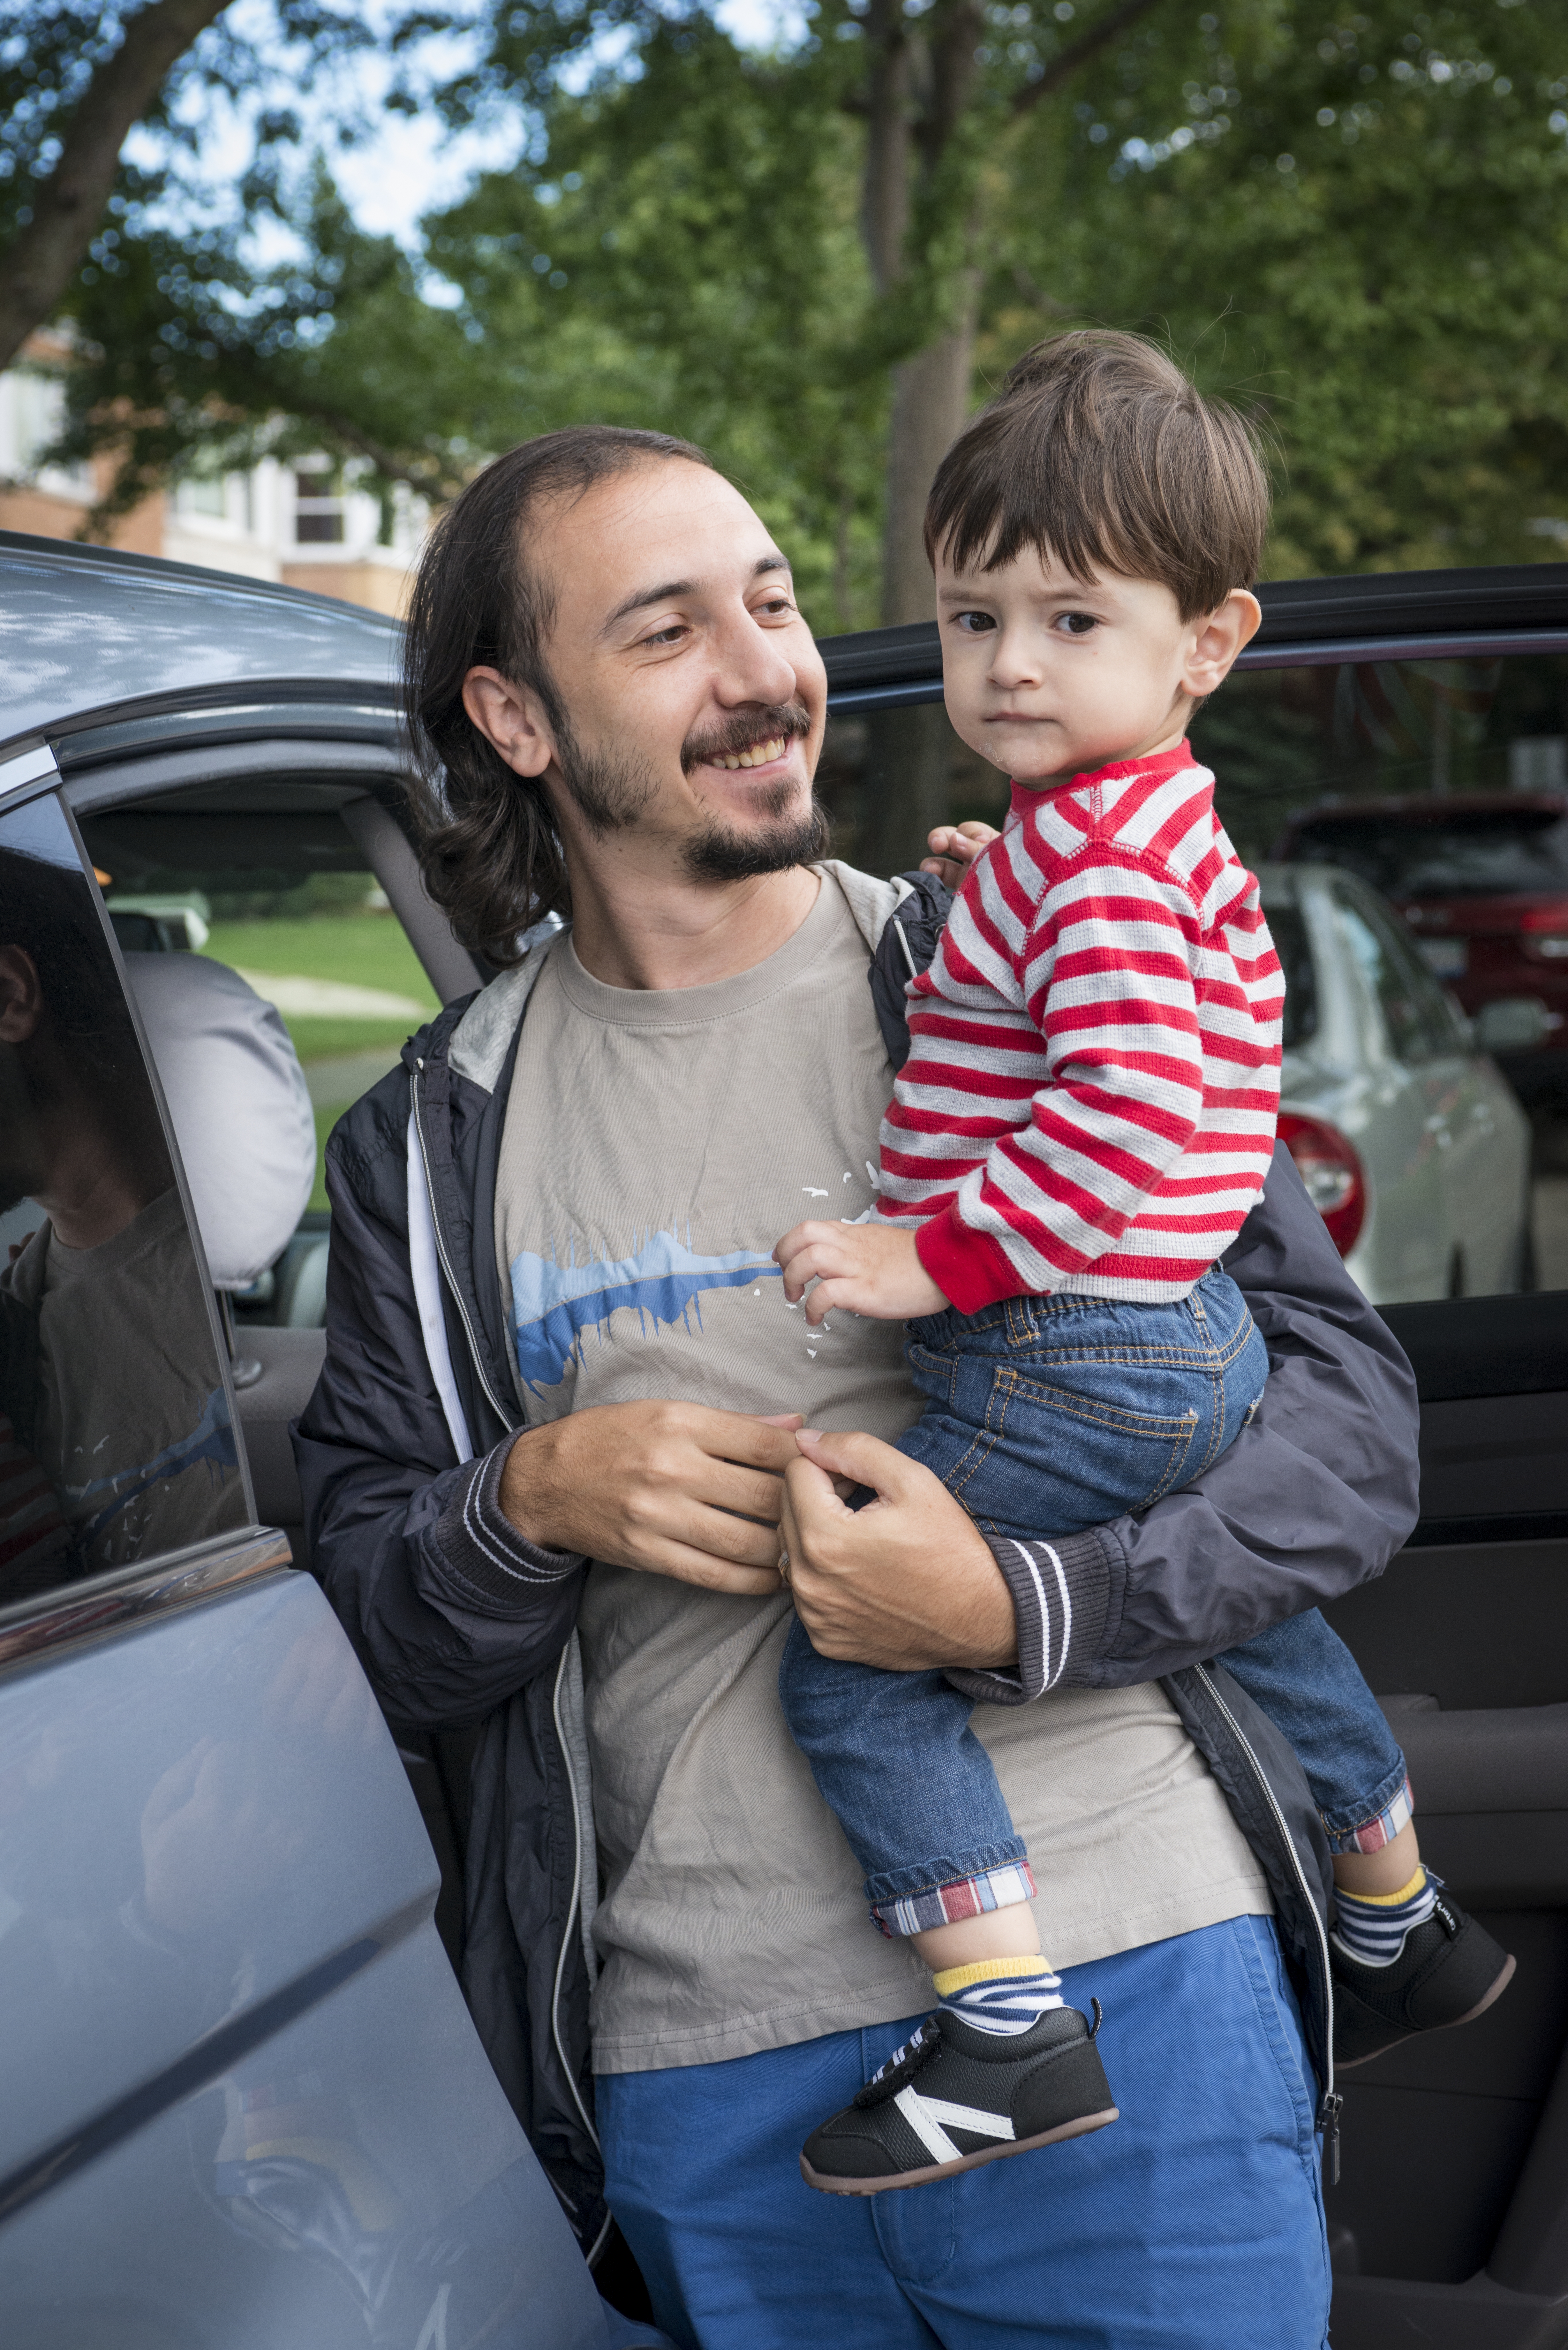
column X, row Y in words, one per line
column 1448, row 2225
column 243, row 2103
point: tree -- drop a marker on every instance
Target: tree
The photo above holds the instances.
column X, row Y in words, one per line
column 77, row 77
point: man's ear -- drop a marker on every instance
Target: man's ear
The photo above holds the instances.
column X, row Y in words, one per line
column 1217, row 640
column 512, row 717
column 21, row 997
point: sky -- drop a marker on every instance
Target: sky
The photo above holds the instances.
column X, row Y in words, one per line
column 406, row 166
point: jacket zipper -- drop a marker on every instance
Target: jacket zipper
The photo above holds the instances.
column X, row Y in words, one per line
column 506, row 1421
column 506, row 1417
column 1330, row 2103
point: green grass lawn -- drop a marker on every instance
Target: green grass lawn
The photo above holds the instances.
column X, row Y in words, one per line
column 365, row 950
column 321, row 1040
column 326, row 1119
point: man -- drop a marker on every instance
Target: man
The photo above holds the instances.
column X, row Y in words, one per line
column 558, row 1218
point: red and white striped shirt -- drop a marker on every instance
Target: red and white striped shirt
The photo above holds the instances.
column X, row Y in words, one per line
column 1093, row 1073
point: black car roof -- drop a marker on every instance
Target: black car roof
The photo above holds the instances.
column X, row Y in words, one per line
column 86, row 630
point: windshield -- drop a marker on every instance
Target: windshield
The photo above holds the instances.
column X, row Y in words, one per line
column 1476, row 854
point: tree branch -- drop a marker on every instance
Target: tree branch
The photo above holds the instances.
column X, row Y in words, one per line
column 69, row 204
column 1061, row 68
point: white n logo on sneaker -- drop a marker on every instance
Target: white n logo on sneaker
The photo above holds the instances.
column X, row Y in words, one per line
column 927, row 2115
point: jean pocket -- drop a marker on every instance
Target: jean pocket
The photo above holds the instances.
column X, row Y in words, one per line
column 934, row 1374
column 1113, row 1455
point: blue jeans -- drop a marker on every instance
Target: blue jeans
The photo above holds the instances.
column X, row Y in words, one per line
column 1195, row 2223
column 1051, row 1414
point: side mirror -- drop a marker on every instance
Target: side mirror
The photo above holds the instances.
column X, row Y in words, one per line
column 1511, row 1024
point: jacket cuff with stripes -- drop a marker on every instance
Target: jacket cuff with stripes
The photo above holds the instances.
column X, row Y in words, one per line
column 1063, row 1594
column 483, row 1547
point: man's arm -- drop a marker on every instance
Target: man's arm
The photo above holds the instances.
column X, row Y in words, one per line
column 1313, row 1498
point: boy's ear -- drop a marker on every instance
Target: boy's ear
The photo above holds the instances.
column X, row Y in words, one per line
column 1217, row 640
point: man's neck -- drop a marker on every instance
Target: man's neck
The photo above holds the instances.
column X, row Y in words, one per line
column 635, row 929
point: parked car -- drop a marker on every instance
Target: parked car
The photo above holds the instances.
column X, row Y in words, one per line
column 241, row 2101
column 1481, row 878
column 1411, row 1144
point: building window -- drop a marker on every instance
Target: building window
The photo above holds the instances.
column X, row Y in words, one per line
column 318, row 508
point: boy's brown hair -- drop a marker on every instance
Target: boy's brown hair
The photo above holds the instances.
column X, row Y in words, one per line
column 1099, row 451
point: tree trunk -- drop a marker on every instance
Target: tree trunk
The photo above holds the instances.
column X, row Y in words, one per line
column 930, row 399
column 68, row 206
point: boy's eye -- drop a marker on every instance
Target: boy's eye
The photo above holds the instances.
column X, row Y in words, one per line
column 974, row 624
column 1076, row 624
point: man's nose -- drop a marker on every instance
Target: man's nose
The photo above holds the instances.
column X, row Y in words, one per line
column 752, row 665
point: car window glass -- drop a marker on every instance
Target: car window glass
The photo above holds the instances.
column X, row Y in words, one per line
column 1389, row 978
column 260, row 902
column 1288, row 931
column 117, row 1443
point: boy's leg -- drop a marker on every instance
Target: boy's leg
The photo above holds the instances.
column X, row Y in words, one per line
column 1312, row 1689
column 1406, row 1957
column 1196, row 2224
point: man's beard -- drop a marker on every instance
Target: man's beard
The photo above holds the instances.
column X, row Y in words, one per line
column 610, row 795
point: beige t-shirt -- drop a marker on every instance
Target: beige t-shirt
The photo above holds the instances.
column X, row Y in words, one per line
column 687, row 1131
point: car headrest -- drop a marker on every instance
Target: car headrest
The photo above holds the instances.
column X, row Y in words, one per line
column 239, row 1103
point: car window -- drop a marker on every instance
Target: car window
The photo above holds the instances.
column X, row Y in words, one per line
column 117, row 1442
column 1288, row 930
column 1394, row 978
column 1471, row 853
column 270, row 886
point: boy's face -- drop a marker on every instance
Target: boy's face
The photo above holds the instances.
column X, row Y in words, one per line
column 1050, row 677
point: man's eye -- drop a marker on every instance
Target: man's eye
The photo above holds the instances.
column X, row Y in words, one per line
column 776, row 605
column 667, row 636
column 1076, row 624
column 974, row 624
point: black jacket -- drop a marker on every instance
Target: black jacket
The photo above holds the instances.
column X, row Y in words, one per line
column 457, row 1620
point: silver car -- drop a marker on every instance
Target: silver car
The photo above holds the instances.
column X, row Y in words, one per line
column 1415, row 1150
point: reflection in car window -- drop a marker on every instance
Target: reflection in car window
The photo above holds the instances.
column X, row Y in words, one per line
column 116, row 1442
column 1288, row 931
column 1472, row 853
column 1413, row 1015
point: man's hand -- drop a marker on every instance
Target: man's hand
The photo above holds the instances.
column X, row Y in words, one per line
column 667, row 1488
column 907, row 1582
column 870, row 1269
column 954, row 848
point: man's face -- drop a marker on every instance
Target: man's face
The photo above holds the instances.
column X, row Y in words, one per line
column 692, row 693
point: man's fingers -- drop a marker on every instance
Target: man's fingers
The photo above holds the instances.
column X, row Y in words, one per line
column 864, row 1460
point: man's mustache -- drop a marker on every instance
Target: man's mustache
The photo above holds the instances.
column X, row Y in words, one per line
column 785, row 720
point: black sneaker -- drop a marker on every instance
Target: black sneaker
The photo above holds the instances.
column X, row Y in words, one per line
column 1449, row 1972
column 953, row 2098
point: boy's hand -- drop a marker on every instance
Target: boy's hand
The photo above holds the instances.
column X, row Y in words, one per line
column 870, row 1269
column 954, row 848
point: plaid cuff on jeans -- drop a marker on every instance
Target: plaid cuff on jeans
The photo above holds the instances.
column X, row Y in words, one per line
column 1373, row 1835
column 944, row 1904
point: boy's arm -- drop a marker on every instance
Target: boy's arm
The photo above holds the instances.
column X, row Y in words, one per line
column 1315, row 1497
column 1107, row 966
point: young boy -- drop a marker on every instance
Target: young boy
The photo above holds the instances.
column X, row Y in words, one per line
column 1085, row 1118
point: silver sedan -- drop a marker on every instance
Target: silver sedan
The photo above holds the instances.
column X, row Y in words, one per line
column 1412, row 1146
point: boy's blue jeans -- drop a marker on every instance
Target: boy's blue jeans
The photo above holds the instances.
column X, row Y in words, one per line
column 1055, row 1414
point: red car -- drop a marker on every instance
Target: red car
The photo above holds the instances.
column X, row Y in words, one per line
column 1482, row 879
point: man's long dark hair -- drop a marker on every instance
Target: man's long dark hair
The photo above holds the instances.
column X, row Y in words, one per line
column 487, row 840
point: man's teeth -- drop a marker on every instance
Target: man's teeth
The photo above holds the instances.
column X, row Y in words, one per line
column 758, row 755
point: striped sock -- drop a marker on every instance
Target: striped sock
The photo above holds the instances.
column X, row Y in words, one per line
column 999, row 1995
column 1371, row 1927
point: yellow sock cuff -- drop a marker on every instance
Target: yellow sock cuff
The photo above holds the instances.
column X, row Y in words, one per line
column 1392, row 1901
column 952, row 1979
